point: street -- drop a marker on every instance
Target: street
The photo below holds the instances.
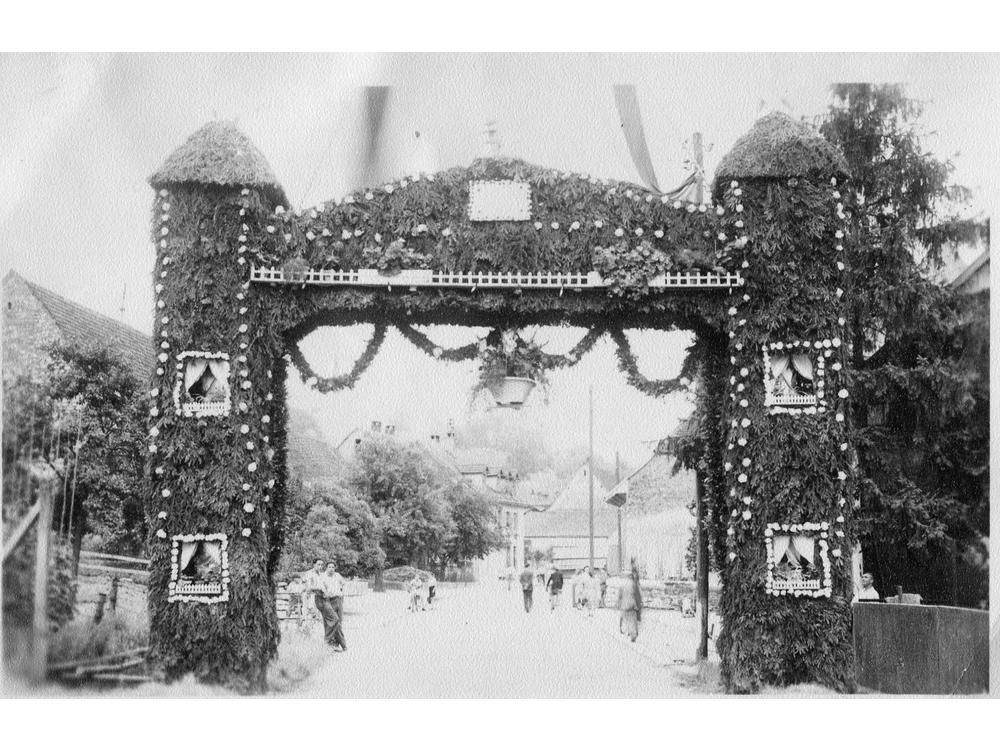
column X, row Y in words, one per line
column 479, row 643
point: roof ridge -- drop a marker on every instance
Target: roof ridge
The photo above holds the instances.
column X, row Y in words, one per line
column 36, row 288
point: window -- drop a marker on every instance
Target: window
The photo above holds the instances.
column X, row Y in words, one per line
column 794, row 377
column 797, row 561
column 202, row 387
column 199, row 568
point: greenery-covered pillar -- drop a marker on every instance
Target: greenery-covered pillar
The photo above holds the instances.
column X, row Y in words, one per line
column 216, row 429
column 787, row 477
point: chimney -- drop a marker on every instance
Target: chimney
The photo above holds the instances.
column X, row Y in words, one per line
column 376, row 427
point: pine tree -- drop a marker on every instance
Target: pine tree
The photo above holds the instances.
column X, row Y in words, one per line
column 921, row 394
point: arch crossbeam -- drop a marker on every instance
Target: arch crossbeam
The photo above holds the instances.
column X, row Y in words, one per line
column 418, row 278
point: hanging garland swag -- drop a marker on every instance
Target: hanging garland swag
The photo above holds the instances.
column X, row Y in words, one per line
column 336, row 383
column 626, row 360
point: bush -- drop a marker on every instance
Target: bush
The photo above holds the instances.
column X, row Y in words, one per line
column 87, row 640
column 18, row 582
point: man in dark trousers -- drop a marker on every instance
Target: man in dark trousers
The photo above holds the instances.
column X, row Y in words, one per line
column 319, row 583
column 527, row 586
column 555, row 587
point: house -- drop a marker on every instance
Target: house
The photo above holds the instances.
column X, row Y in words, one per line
column 35, row 318
column 488, row 470
column 976, row 276
column 564, row 526
column 657, row 519
column 310, row 457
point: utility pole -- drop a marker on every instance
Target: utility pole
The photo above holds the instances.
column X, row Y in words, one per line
column 621, row 543
column 702, row 566
column 590, row 476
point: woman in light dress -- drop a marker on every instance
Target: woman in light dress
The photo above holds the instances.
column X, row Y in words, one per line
column 630, row 604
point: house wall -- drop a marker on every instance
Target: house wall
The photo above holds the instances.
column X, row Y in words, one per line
column 571, row 553
column 657, row 521
column 27, row 330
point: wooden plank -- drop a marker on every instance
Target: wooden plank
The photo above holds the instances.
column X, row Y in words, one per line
column 106, row 668
column 122, row 677
column 96, row 555
column 10, row 544
column 115, row 571
column 96, row 660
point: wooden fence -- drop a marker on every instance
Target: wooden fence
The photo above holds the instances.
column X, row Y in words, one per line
column 917, row 649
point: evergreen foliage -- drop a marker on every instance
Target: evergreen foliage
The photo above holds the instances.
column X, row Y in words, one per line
column 920, row 351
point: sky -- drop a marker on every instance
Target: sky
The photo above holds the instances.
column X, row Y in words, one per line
column 80, row 134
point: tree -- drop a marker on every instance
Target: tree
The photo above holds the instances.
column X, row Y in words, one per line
column 331, row 523
column 109, row 461
column 398, row 482
column 425, row 517
column 920, row 406
column 476, row 531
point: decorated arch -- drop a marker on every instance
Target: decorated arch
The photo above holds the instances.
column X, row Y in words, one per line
column 757, row 274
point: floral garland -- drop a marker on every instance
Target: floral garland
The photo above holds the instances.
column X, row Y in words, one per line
column 476, row 349
column 336, row 383
column 628, row 365
column 428, row 347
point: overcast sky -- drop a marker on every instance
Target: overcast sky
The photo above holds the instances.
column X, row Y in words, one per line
column 79, row 135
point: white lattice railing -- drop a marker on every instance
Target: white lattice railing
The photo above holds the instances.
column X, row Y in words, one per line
column 205, row 409
column 424, row 278
column 795, row 584
column 792, row 400
column 198, row 589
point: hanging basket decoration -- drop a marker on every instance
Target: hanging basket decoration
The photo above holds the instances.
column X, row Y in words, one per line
column 510, row 367
column 511, row 392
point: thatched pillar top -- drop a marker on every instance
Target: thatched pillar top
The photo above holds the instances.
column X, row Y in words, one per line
column 779, row 146
column 219, row 154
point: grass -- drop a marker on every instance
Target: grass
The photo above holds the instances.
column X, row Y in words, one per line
column 300, row 653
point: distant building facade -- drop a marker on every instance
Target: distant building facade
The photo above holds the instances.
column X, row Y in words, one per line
column 656, row 515
column 564, row 526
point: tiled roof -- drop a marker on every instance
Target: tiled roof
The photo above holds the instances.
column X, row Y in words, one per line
column 310, row 457
column 571, row 523
column 576, row 494
column 81, row 326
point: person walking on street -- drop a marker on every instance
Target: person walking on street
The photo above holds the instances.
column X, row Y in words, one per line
column 630, row 604
column 576, row 584
column 555, row 588
column 527, row 586
column 592, row 584
column 602, row 577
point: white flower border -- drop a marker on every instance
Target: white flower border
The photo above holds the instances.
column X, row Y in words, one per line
column 824, row 545
column 193, row 409
column 822, row 350
column 175, row 543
